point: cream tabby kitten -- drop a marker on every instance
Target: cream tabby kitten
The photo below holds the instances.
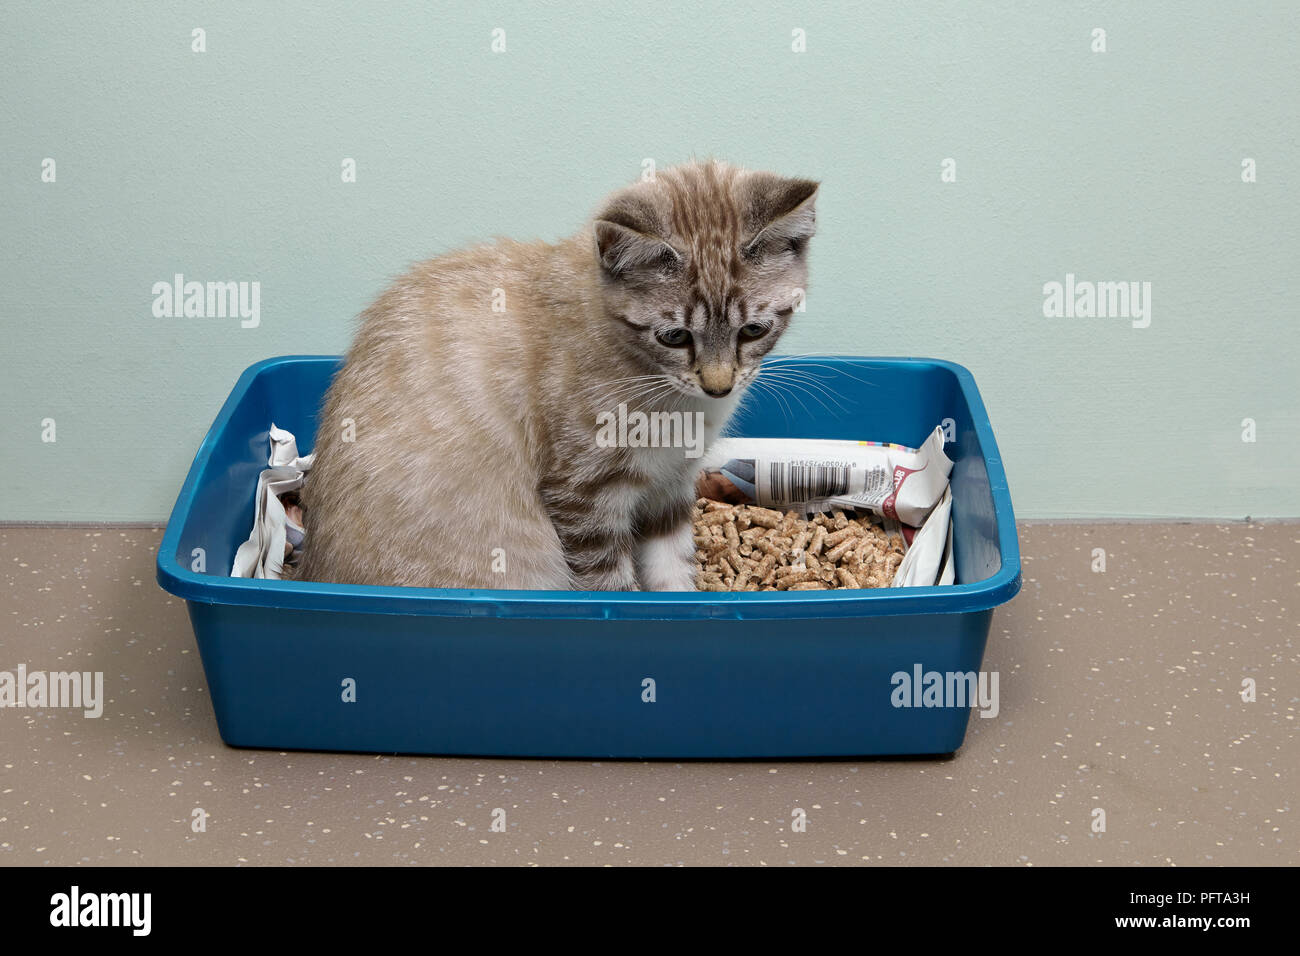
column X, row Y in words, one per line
column 475, row 384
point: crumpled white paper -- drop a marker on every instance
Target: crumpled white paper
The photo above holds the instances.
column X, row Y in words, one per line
column 262, row 555
column 929, row 557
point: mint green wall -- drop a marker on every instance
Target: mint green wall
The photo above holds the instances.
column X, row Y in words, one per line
column 1123, row 165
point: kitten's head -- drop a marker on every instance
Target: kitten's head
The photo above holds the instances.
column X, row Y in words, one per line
column 702, row 268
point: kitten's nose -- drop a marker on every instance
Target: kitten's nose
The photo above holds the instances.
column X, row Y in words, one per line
column 717, row 380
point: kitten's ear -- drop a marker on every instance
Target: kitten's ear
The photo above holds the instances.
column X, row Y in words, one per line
column 622, row 250
column 781, row 214
column 627, row 239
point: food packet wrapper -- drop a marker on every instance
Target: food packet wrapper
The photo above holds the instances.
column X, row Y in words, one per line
column 813, row 475
column 907, row 487
column 262, row 555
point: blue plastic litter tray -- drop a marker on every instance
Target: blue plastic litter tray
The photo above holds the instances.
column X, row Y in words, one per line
column 590, row 673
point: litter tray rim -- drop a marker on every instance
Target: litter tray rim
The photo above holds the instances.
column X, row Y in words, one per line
column 997, row 589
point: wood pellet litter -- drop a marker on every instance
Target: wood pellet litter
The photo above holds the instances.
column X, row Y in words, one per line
column 748, row 548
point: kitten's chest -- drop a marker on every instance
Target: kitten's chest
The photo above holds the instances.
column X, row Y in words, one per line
column 672, row 466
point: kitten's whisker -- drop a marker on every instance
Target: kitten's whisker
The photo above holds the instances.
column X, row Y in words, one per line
column 805, row 375
column 795, row 385
column 745, row 399
column 795, row 395
column 630, row 378
column 798, row 387
column 835, row 407
column 814, row 387
column 650, row 394
column 783, row 360
column 615, row 383
column 629, row 386
column 776, row 393
column 639, row 388
column 652, row 391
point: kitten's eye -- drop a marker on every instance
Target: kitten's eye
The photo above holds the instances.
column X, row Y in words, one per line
column 674, row 338
column 753, row 330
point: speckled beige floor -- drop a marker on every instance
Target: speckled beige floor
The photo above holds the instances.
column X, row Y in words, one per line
column 1120, row 691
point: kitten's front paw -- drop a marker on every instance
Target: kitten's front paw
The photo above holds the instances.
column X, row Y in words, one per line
column 665, row 566
column 683, row 580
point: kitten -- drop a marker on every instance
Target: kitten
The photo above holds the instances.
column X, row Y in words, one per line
column 475, row 384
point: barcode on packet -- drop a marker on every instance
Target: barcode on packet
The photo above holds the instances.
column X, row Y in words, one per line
column 793, row 483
